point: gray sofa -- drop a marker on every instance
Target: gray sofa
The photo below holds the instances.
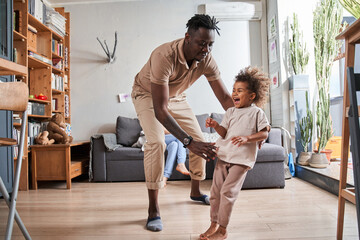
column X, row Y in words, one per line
column 113, row 159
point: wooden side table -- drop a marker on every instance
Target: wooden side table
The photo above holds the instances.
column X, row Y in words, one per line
column 59, row 162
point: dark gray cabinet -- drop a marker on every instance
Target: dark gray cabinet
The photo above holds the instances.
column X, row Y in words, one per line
column 6, row 46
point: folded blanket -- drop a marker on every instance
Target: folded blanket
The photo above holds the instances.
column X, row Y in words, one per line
column 110, row 144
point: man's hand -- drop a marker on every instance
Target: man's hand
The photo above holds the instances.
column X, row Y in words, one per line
column 240, row 140
column 211, row 123
column 203, row 149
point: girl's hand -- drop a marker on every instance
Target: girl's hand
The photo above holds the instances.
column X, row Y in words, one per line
column 211, row 123
column 240, row 140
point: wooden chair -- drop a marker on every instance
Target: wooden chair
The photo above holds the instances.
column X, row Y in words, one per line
column 14, row 97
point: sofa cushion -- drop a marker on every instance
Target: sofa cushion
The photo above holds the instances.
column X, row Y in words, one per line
column 125, row 153
column 202, row 119
column 127, row 130
column 271, row 153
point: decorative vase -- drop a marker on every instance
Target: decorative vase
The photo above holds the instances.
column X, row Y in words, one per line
column 304, row 158
column 327, row 153
column 318, row 160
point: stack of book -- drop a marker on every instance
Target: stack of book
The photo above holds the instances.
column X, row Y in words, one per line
column 67, row 106
column 57, row 82
column 16, row 136
column 66, row 57
column 17, row 20
column 55, row 21
column 35, row 128
column 54, row 104
column 37, row 9
column 39, row 57
column 16, row 118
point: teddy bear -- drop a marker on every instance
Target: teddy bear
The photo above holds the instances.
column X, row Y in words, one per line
column 56, row 129
column 43, row 139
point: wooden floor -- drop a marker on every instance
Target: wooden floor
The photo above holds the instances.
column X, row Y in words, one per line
column 119, row 211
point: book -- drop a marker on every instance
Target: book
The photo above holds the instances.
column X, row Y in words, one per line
column 16, row 136
column 32, row 29
column 15, row 56
column 57, row 63
column 39, row 57
column 17, row 20
column 39, row 10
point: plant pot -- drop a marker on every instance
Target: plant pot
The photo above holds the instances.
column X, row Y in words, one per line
column 327, row 153
column 318, row 160
column 304, row 158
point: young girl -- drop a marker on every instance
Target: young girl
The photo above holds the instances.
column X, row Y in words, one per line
column 243, row 128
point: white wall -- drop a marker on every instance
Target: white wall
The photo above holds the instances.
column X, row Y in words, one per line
column 284, row 9
column 141, row 26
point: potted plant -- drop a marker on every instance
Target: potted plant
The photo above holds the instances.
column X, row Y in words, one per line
column 306, row 128
column 326, row 26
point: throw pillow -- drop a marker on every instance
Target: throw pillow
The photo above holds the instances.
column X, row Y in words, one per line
column 217, row 117
column 202, row 119
column 127, row 130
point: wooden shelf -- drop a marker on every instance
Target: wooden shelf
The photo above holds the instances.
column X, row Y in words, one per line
column 39, row 116
column 35, row 63
column 17, row 124
column 39, row 101
column 10, row 68
column 18, row 36
column 57, row 91
column 36, row 73
column 56, row 70
column 40, row 27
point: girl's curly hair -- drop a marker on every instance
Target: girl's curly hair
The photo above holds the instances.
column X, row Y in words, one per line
column 258, row 83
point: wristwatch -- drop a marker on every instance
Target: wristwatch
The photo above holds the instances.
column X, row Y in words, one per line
column 187, row 141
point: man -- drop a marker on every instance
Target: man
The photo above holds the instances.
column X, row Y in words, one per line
column 159, row 101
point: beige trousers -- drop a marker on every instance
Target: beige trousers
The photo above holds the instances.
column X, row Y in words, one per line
column 155, row 145
column 227, row 182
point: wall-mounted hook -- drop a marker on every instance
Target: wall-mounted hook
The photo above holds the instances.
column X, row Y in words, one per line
column 111, row 56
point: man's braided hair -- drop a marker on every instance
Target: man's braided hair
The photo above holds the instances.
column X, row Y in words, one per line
column 204, row 21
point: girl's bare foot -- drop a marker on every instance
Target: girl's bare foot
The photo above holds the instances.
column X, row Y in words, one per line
column 211, row 230
column 182, row 168
column 165, row 181
column 220, row 234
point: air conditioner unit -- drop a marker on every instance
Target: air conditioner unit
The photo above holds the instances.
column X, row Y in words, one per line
column 244, row 11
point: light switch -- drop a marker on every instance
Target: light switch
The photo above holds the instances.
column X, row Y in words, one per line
column 123, row 97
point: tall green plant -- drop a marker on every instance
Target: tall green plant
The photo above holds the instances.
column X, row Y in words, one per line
column 353, row 6
column 299, row 56
column 323, row 120
column 326, row 26
column 306, row 126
